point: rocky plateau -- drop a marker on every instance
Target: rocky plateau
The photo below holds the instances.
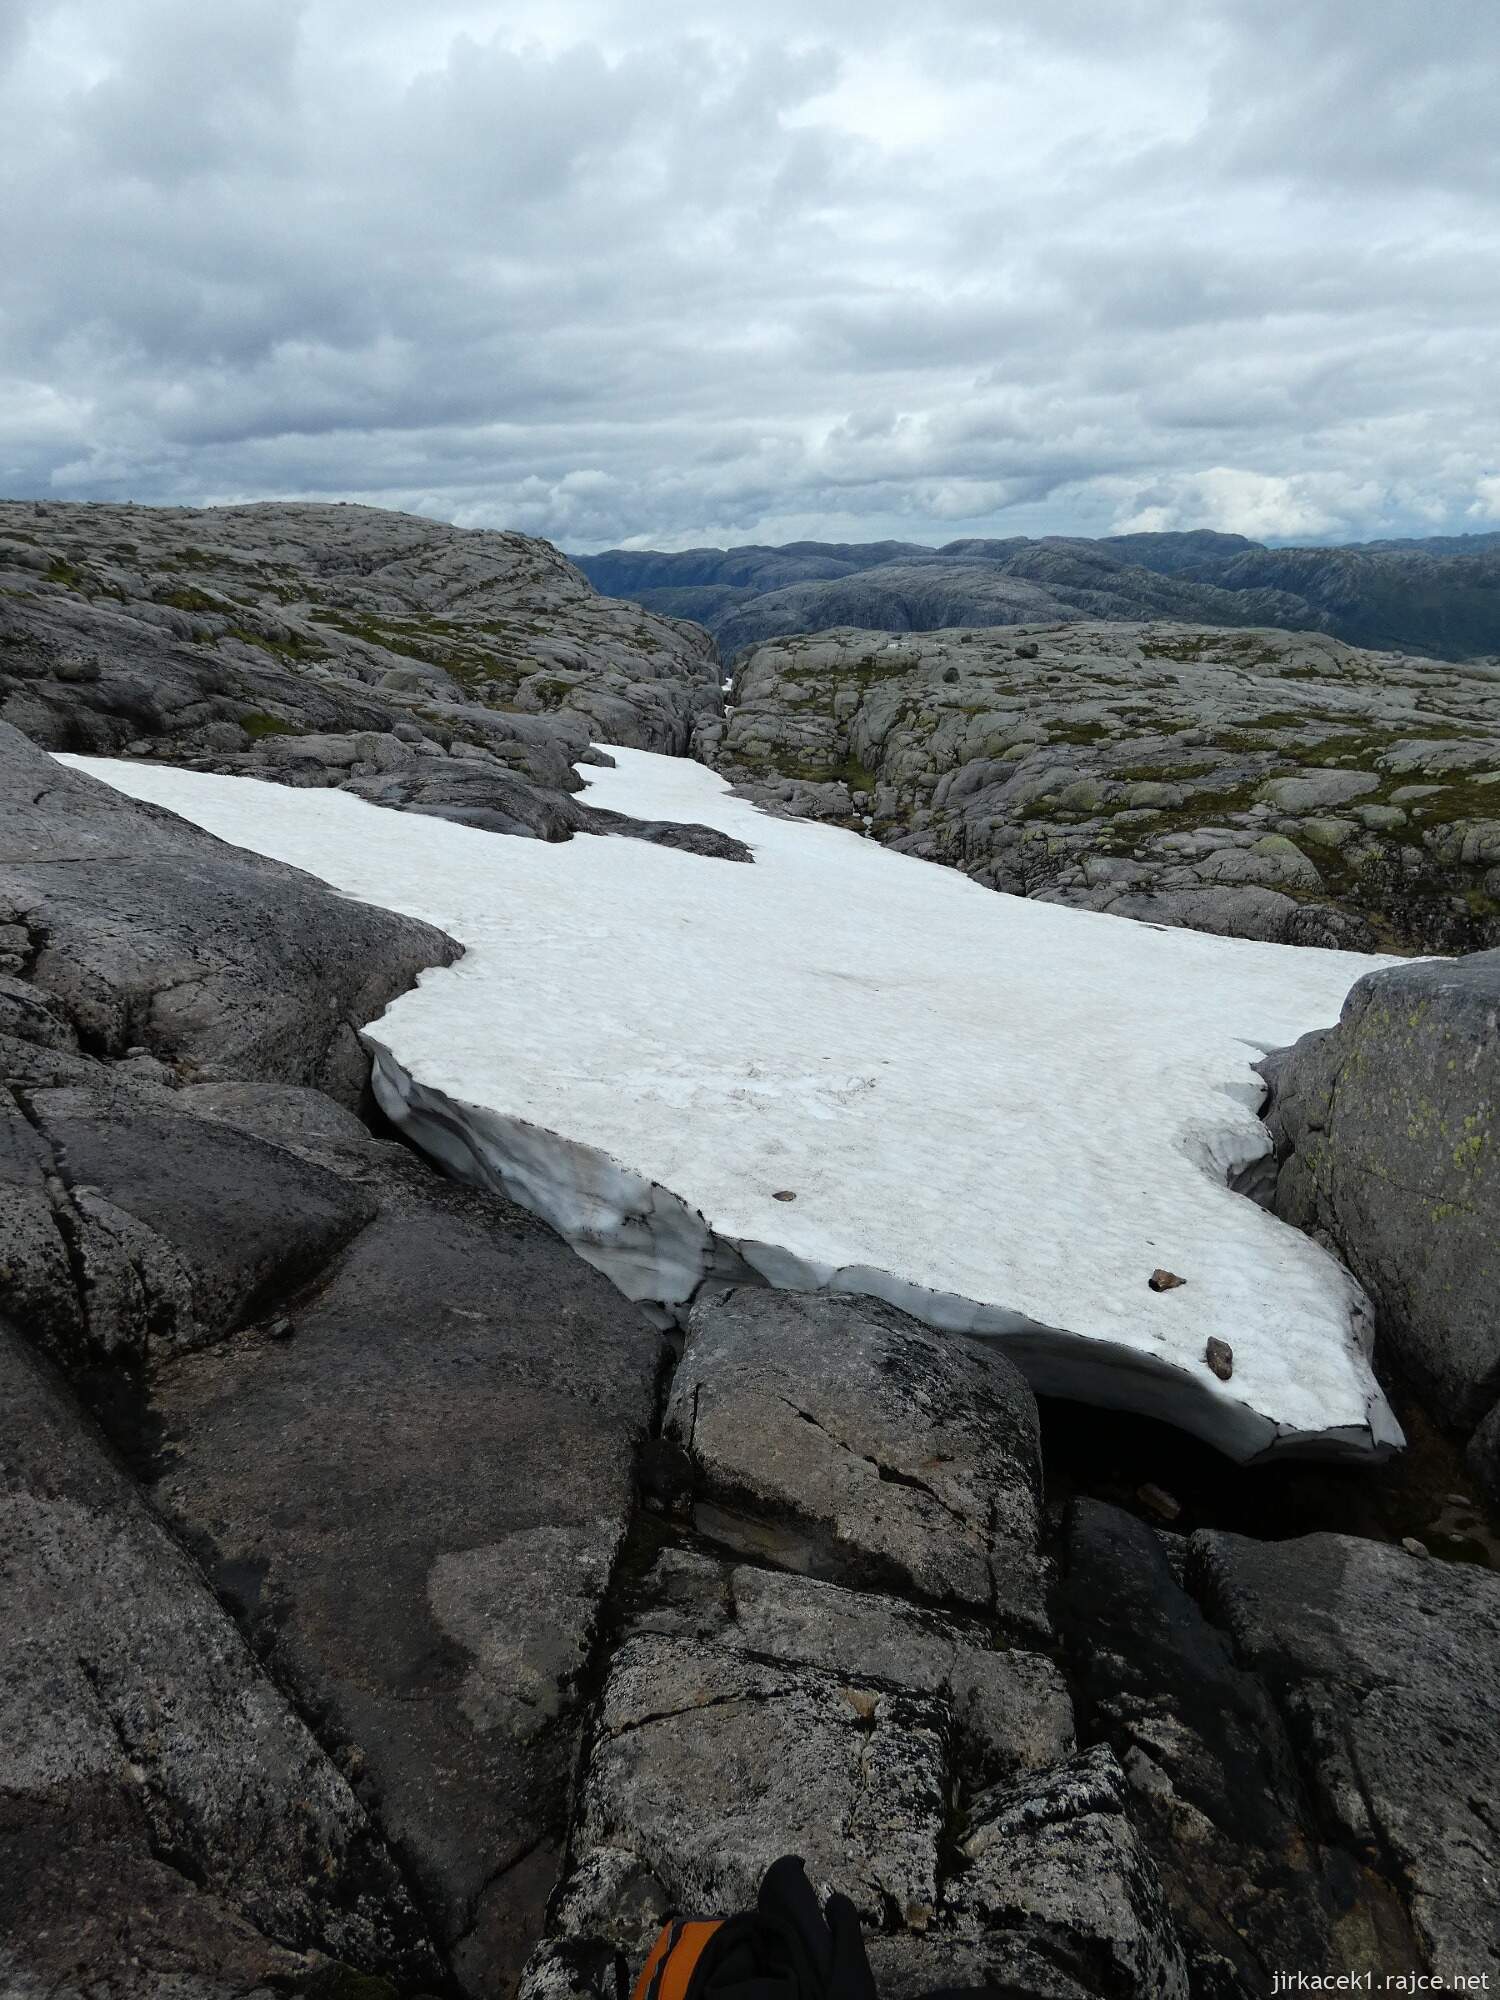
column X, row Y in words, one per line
column 1258, row 784
column 388, row 1608
column 420, row 666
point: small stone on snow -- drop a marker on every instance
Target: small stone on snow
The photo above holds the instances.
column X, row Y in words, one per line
column 1220, row 1357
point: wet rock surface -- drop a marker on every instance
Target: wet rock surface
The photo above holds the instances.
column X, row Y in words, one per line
column 1387, row 1130
column 163, row 1814
column 1386, row 1670
column 425, row 667
column 1261, row 784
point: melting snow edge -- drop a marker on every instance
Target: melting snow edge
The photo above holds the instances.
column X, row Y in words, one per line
column 660, row 1251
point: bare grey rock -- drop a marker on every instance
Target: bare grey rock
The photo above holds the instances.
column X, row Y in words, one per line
column 575, row 1969
column 163, row 1815
column 426, row 667
column 146, row 932
column 1010, row 1709
column 322, row 604
column 287, row 1113
column 1387, row 1129
column 410, row 1491
column 1388, row 1674
column 406, row 1459
column 720, row 1744
column 750, row 1713
column 1315, row 790
column 448, row 1433
column 1162, row 771
column 708, row 1765
column 1484, row 1455
column 173, row 1228
column 1004, row 1964
column 842, row 1438
column 1058, row 1860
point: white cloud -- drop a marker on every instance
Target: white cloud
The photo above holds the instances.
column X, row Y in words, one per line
column 694, row 272
column 1264, row 507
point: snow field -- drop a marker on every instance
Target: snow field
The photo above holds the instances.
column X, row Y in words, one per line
column 1000, row 1115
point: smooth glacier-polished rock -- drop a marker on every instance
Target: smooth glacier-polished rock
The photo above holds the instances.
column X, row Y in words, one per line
column 840, row 1069
column 843, row 1439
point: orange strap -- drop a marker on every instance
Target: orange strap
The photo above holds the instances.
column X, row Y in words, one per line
column 673, row 1959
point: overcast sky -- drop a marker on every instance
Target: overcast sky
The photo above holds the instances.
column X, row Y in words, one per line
column 643, row 271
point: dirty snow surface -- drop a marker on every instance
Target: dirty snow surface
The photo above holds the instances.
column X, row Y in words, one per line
column 840, row 1067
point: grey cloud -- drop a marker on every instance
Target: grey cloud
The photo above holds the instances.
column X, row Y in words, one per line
column 672, row 275
column 1383, row 91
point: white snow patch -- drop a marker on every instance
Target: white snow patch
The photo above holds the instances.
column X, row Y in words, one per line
column 998, row 1114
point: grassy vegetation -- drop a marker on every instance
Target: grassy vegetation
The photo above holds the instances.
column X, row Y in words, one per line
column 486, row 673
column 1077, row 732
column 186, row 599
column 1228, row 648
column 1460, row 798
column 294, row 650
column 1163, row 773
column 857, row 776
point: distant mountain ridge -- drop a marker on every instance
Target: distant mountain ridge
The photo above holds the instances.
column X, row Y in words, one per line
column 1439, row 597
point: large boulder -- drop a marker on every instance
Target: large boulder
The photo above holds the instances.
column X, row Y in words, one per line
column 844, row 1438
column 1386, row 1668
column 1387, row 1128
column 166, row 1823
